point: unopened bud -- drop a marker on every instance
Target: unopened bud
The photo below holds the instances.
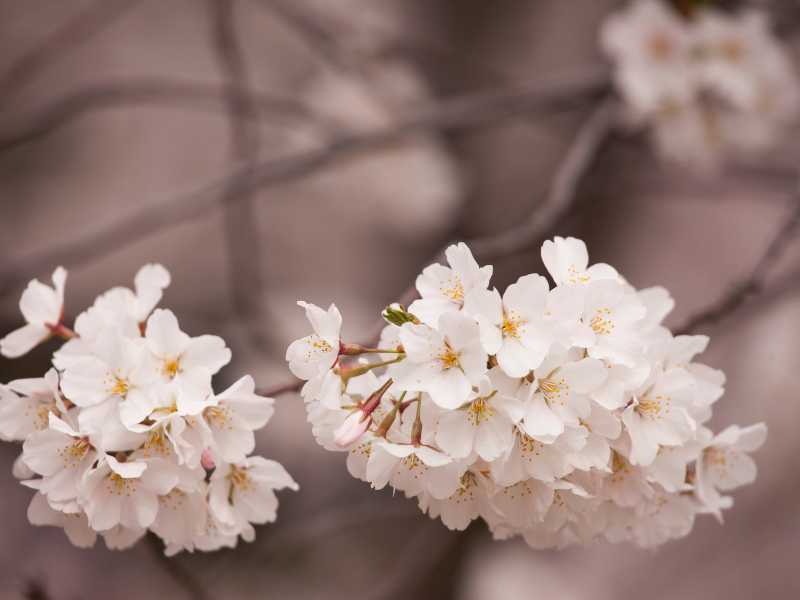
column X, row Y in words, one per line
column 354, row 426
column 207, row 460
column 396, row 314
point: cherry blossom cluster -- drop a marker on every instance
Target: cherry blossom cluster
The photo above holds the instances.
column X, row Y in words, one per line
column 709, row 84
column 124, row 434
column 563, row 414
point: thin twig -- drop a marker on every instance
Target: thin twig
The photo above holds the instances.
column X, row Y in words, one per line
column 284, row 388
column 72, row 34
column 241, row 224
column 465, row 112
column 753, row 284
column 159, row 92
column 578, row 160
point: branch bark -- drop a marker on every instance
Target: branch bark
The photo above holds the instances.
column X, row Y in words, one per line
column 753, row 284
column 241, row 219
column 465, row 112
column 158, row 92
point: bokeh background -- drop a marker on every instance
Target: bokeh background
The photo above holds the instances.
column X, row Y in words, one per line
column 136, row 130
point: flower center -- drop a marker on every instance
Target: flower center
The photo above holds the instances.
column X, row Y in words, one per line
column 512, row 323
column 171, row 367
column 575, row 277
column 449, row 358
column 219, row 416
column 72, row 455
column 240, row 481
column 120, row 486
column 480, row 411
column 654, row 407
column 660, row 46
column 120, row 387
column 601, row 323
column 455, row 291
column 732, row 50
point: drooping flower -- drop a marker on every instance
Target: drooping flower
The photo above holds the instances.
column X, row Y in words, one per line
column 43, row 309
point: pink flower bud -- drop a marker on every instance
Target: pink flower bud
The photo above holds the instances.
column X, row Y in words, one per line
column 207, row 460
column 353, row 428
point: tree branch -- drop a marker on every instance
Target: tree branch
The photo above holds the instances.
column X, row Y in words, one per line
column 752, row 285
column 72, row 34
column 160, row 92
column 465, row 112
column 545, row 215
column 241, row 224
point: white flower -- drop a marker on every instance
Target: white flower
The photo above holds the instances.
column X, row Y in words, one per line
column 444, row 362
column 444, row 289
column 126, row 493
column 513, row 327
column 233, row 417
column 244, row 493
column 614, row 313
column 62, row 456
column 188, row 362
column 43, row 309
column 466, row 504
column 182, row 516
column 567, row 261
column 486, row 423
column 652, row 47
column 413, row 469
column 659, row 416
column 25, row 405
column 74, row 524
column 315, row 354
column 119, row 368
column 725, row 464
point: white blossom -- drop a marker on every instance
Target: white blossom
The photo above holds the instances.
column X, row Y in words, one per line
column 709, row 85
column 43, row 309
column 118, row 439
column 564, row 415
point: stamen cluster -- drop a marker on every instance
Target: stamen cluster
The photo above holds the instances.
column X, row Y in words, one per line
column 563, row 414
column 124, row 434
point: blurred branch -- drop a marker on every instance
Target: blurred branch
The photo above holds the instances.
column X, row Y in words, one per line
column 752, row 285
column 241, row 222
column 284, row 388
column 161, row 92
column 72, row 34
column 464, row 112
column 575, row 165
column 545, row 215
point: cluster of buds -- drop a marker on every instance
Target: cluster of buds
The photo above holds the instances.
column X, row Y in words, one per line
column 564, row 414
column 708, row 84
column 124, row 434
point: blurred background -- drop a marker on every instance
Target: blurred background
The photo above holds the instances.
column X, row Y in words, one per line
column 243, row 144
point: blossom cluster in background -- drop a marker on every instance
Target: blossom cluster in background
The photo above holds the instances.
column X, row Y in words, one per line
column 564, row 415
column 125, row 433
column 710, row 85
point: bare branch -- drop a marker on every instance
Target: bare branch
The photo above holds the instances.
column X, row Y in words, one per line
column 752, row 285
column 160, row 92
column 72, row 34
column 241, row 225
column 283, row 388
column 465, row 112
column 573, row 168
